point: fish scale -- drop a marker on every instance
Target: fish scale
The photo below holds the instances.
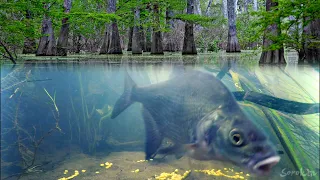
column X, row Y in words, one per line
column 198, row 113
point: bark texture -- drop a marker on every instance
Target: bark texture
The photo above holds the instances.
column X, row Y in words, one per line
column 255, row 5
column 29, row 45
column 148, row 39
column 115, row 45
column 271, row 56
column 47, row 43
column 312, row 43
column 171, row 45
column 106, row 40
column 197, row 9
column 245, row 6
column 156, row 46
column 189, row 46
column 62, row 45
column 130, row 33
column 208, row 7
column 233, row 44
column 143, row 39
column 136, row 45
column 76, row 43
column 225, row 8
column 111, row 43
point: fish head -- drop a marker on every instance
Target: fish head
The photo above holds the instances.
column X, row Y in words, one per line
column 234, row 138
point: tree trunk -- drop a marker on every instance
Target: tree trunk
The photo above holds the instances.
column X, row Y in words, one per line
column 301, row 50
column 189, row 46
column 312, row 41
column 169, row 39
column 29, row 46
column 255, row 5
column 62, row 46
column 47, row 43
column 197, row 9
column 115, row 45
column 111, row 43
column 156, row 46
column 233, row 44
column 130, row 33
column 245, row 6
column 143, row 39
column 148, row 39
column 106, row 41
column 225, row 8
column 271, row 56
column 208, row 7
column 8, row 55
column 136, row 45
column 78, row 44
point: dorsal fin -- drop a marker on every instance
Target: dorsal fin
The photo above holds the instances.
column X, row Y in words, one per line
column 125, row 99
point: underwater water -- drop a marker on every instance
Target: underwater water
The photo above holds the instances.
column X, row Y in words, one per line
column 56, row 120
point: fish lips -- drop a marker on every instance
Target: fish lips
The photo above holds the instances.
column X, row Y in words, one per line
column 263, row 166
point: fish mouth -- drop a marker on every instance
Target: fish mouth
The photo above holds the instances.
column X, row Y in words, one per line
column 264, row 166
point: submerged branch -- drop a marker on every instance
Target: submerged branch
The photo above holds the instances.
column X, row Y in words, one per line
column 29, row 157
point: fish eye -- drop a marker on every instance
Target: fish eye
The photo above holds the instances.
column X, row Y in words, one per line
column 236, row 137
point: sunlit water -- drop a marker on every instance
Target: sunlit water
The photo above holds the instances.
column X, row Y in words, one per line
column 65, row 108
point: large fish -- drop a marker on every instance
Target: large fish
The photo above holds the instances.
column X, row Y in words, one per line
column 201, row 117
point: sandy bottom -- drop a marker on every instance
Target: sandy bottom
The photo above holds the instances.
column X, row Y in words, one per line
column 126, row 162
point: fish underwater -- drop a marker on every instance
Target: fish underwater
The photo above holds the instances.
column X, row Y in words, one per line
column 201, row 117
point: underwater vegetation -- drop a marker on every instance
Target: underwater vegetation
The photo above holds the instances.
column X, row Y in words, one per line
column 285, row 126
column 76, row 109
column 28, row 153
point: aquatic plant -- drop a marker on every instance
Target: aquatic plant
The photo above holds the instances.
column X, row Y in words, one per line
column 28, row 150
column 87, row 117
column 279, row 123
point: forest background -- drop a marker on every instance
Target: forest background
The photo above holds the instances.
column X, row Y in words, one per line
column 62, row 27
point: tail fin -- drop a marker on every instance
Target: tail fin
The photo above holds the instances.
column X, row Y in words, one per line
column 125, row 99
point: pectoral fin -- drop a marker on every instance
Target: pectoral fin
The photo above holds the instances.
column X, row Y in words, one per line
column 178, row 150
column 153, row 135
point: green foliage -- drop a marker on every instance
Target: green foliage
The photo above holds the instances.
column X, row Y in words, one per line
column 89, row 17
column 291, row 17
column 14, row 26
column 248, row 32
column 197, row 19
column 213, row 46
